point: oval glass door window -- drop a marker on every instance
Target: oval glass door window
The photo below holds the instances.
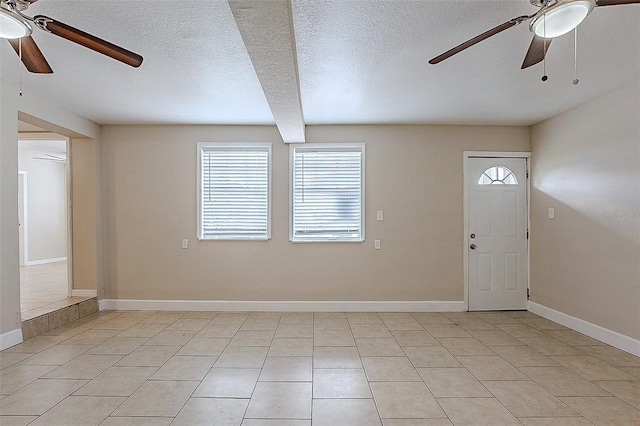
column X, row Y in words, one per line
column 497, row 175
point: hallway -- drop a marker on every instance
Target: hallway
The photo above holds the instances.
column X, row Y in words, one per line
column 44, row 289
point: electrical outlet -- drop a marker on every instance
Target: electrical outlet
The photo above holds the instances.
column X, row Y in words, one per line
column 185, row 243
column 552, row 213
column 376, row 244
column 380, row 215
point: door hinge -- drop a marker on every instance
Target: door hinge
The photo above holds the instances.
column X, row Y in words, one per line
column 527, row 294
column 527, row 174
column 527, row 234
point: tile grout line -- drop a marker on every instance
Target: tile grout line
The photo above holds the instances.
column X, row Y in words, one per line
column 119, row 314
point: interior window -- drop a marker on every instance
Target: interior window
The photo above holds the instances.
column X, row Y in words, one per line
column 327, row 185
column 234, row 191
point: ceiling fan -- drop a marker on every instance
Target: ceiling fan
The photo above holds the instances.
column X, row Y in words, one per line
column 50, row 157
column 17, row 28
column 555, row 18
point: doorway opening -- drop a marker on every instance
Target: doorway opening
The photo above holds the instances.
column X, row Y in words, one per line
column 44, row 218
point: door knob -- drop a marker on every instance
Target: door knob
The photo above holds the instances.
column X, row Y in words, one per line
column 473, row 246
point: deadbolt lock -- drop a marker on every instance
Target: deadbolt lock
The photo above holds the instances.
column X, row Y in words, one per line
column 472, row 235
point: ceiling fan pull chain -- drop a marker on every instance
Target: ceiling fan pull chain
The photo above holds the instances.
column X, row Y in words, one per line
column 575, row 57
column 544, row 48
column 20, row 66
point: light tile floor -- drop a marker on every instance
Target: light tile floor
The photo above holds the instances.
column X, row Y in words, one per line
column 44, row 289
column 259, row 369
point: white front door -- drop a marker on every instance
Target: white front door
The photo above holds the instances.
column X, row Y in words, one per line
column 497, row 241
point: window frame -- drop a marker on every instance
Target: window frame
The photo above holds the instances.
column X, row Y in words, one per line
column 327, row 147
column 201, row 147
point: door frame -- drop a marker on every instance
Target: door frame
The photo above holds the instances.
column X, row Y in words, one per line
column 68, row 199
column 465, row 208
column 68, row 183
column 23, row 225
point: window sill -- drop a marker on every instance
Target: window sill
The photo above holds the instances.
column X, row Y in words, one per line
column 205, row 239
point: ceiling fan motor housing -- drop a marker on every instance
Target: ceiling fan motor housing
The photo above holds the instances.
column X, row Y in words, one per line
column 13, row 25
column 558, row 18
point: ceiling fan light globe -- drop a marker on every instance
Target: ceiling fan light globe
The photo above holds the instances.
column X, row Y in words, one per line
column 561, row 18
column 13, row 26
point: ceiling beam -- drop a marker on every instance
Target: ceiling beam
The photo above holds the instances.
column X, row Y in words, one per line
column 267, row 31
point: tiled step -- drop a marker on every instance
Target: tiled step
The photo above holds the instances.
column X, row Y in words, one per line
column 56, row 318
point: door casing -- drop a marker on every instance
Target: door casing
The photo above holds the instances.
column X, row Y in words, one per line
column 465, row 243
column 23, row 237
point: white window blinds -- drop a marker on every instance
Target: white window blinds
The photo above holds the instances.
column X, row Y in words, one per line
column 234, row 191
column 327, row 193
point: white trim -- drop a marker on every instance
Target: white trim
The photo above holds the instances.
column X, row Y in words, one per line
column 496, row 154
column 102, row 305
column 84, row 293
column 528, row 189
column 283, row 306
column 610, row 337
column 69, row 189
column 10, row 338
column 44, row 261
column 466, row 155
column 25, row 225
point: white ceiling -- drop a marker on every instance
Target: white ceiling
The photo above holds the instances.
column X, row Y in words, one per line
column 359, row 61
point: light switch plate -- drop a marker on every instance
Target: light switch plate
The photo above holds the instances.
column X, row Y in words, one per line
column 380, row 215
column 552, row 213
column 376, row 244
column 185, row 243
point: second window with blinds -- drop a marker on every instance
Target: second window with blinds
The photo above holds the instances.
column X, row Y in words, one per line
column 327, row 192
column 234, row 193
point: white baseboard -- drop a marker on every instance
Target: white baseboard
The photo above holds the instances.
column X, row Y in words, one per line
column 282, row 306
column 83, row 293
column 43, row 261
column 10, row 338
column 610, row 337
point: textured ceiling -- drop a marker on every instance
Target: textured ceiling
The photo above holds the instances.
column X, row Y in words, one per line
column 359, row 61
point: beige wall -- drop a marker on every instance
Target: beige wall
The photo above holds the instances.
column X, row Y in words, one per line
column 9, row 257
column 40, row 112
column 413, row 173
column 586, row 165
column 86, row 213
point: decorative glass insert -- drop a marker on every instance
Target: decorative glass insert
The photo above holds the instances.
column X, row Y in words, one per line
column 497, row 175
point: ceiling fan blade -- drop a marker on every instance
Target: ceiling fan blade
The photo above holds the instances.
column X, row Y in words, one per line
column 87, row 40
column 32, row 57
column 537, row 50
column 477, row 39
column 615, row 2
